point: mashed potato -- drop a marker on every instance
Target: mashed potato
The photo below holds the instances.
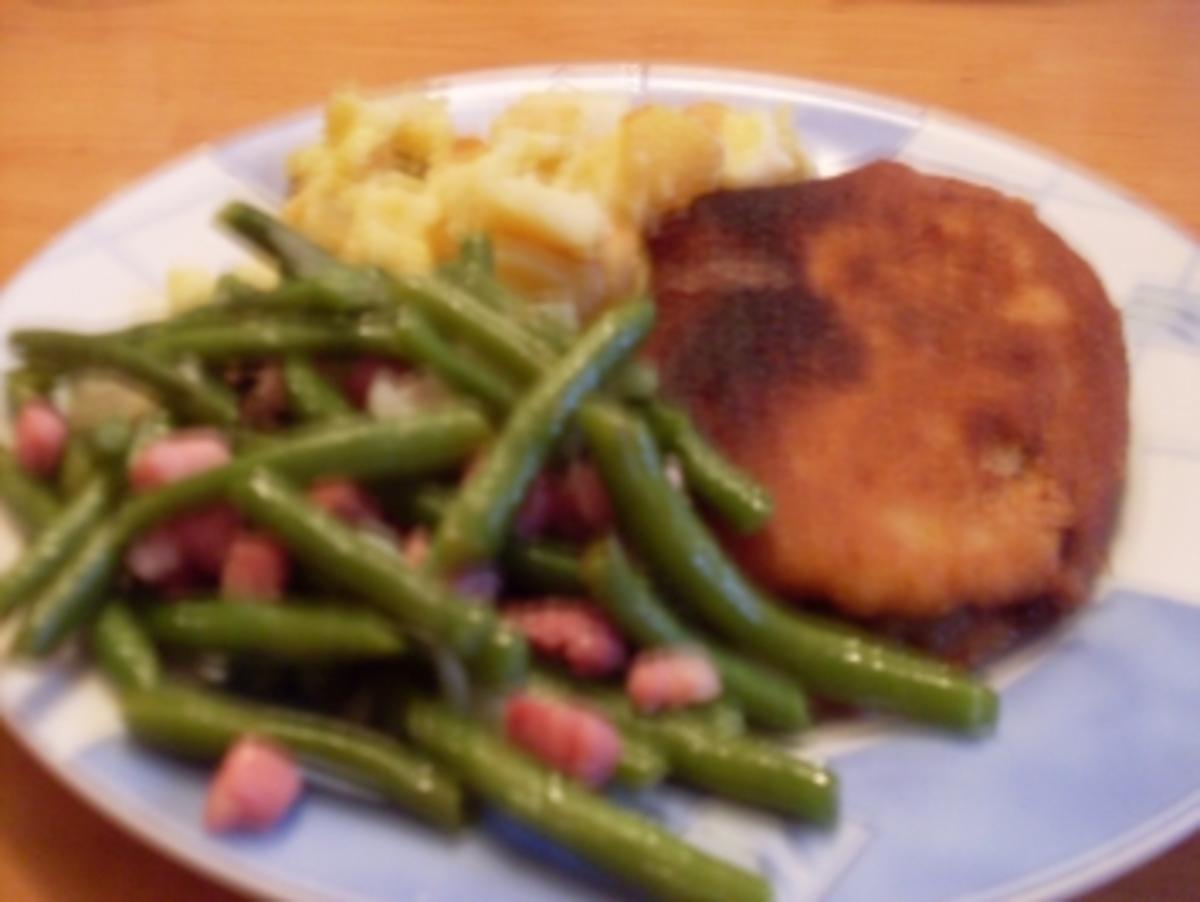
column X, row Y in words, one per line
column 564, row 183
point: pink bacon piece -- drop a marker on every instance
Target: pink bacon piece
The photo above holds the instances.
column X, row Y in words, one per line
column 194, row 544
column 573, row 631
column 256, row 568
column 254, row 788
column 177, row 456
column 572, row 740
column 665, row 679
column 40, row 438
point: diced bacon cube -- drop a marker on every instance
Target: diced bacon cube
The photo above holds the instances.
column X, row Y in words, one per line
column 256, row 568
column 573, row 740
column 40, row 438
column 178, row 456
column 254, row 788
column 573, row 631
column 665, row 679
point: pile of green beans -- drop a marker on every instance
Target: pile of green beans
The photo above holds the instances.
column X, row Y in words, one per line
column 527, row 393
column 688, row 563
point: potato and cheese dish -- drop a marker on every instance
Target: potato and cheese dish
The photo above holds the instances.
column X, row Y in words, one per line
column 565, row 184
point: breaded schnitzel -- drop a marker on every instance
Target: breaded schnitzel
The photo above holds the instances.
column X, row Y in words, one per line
column 929, row 380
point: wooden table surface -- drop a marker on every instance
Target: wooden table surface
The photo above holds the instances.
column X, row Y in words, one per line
column 94, row 92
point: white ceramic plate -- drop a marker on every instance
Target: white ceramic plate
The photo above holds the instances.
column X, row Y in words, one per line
column 1094, row 765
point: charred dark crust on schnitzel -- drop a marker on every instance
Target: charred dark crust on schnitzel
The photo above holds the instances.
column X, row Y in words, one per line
column 932, row 383
column 752, row 340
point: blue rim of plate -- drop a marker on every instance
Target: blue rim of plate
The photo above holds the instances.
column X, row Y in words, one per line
column 1064, row 689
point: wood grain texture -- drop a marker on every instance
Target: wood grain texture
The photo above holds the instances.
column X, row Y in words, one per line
column 95, row 92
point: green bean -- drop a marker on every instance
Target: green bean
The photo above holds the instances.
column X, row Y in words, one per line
column 310, row 395
column 641, row 765
column 417, row 446
column 720, row 717
column 476, row 253
column 25, row 384
column 194, row 401
column 32, row 504
column 204, row 724
column 266, row 337
column 474, row 264
column 125, row 652
column 768, row 699
column 501, row 661
column 55, row 544
column 73, row 594
column 543, row 567
column 278, row 631
column 423, row 504
column 299, row 257
column 296, row 254
column 376, row 571
column 495, row 294
column 406, row 335
column 741, row 768
column 724, row 488
column 418, row 342
column 686, row 561
column 294, row 294
column 111, row 441
column 637, row 381
column 76, row 467
column 497, row 337
column 475, row 524
column 555, row 331
column 296, row 300
column 631, row 847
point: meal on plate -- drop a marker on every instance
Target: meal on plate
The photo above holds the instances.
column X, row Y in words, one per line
column 449, row 509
